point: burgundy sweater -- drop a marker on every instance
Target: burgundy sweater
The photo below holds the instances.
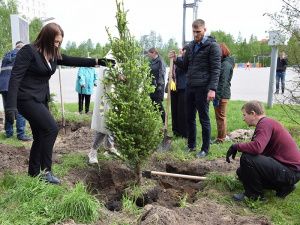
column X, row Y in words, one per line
column 271, row 139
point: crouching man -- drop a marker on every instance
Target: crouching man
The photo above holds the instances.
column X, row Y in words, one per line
column 271, row 160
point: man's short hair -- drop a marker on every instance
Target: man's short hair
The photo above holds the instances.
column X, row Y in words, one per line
column 198, row 23
column 153, row 50
column 254, row 106
column 19, row 44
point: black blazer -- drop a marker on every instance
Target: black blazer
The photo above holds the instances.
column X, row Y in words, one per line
column 31, row 73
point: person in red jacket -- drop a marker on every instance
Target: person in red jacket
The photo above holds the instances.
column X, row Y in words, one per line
column 271, row 160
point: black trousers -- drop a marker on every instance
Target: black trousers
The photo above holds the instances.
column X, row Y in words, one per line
column 258, row 172
column 196, row 101
column 81, row 99
column 178, row 110
column 44, row 131
column 160, row 107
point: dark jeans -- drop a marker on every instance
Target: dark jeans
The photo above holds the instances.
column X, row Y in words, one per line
column 258, row 172
column 196, row 100
column 20, row 121
column 178, row 110
column 81, row 99
column 280, row 78
column 44, row 131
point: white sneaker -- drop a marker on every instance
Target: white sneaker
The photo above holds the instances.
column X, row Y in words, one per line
column 93, row 157
column 113, row 150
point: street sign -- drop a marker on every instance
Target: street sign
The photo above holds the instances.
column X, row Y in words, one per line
column 275, row 38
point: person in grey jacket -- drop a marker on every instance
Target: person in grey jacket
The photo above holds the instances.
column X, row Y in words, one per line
column 202, row 62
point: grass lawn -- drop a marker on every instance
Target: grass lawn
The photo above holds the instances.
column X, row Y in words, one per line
column 25, row 200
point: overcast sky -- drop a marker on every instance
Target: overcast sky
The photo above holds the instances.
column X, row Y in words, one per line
column 87, row 19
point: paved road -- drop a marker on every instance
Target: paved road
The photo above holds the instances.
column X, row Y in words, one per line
column 246, row 84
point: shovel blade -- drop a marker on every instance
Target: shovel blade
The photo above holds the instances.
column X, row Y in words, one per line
column 165, row 145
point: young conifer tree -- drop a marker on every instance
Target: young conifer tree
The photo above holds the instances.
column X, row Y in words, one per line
column 132, row 118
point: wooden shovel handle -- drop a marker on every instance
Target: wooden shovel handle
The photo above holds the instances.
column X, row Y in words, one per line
column 178, row 175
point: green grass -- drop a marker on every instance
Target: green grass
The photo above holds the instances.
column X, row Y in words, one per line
column 26, row 201
column 13, row 141
column 70, row 161
column 183, row 201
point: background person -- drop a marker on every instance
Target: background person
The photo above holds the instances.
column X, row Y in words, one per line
column 202, row 63
column 223, row 93
column 271, row 160
column 282, row 63
column 102, row 135
column 178, row 108
column 6, row 68
column 158, row 71
column 29, row 94
column 85, row 83
column 247, row 65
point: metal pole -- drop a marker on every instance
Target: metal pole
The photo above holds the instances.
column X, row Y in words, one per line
column 61, row 102
column 274, row 55
column 183, row 23
column 195, row 9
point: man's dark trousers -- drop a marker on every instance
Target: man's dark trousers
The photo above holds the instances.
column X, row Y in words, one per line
column 196, row 100
column 258, row 172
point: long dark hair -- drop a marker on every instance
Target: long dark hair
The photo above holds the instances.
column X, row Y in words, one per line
column 45, row 40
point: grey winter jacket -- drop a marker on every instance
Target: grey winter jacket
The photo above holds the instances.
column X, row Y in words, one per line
column 202, row 67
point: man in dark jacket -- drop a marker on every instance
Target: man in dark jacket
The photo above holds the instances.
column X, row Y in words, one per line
column 202, row 63
column 271, row 160
column 6, row 68
column 280, row 72
column 158, row 71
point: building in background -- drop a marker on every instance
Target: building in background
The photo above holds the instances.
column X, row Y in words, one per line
column 31, row 8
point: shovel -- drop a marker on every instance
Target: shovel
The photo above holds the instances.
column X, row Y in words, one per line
column 61, row 102
column 148, row 174
column 166, row 143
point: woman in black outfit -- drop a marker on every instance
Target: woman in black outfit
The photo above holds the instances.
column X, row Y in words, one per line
column 29, row 94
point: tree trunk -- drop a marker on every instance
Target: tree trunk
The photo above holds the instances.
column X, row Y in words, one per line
column 138, row 173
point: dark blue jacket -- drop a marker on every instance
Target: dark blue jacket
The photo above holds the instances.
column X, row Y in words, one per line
column 203, row 66
column 6, row 68
column 158, row 71
column 180, row 77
